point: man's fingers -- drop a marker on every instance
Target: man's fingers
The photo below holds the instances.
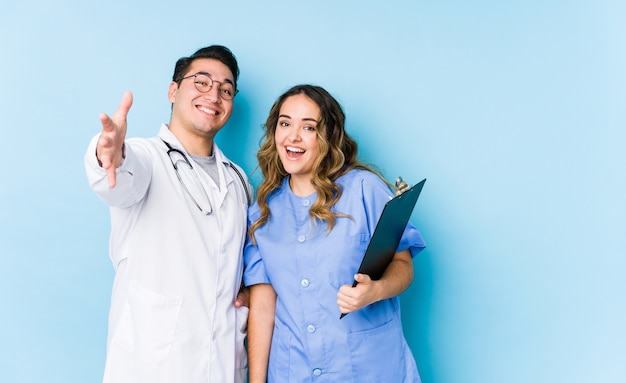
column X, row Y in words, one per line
column 243, row 297
column 125, row 104
column 106, row 141
column 109, row 148
column 111, row 176
column 118, row 121
column 107, row 123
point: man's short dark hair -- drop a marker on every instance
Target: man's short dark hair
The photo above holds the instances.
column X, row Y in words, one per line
column 216, row 52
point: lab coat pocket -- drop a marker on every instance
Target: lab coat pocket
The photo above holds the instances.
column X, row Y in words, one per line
column 148, row 324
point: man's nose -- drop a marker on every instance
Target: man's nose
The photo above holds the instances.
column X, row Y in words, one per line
column 213, row 94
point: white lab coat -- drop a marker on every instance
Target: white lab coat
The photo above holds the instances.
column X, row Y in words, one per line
column 177, row 271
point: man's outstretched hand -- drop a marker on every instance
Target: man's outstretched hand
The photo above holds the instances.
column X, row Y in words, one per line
column 110, row 147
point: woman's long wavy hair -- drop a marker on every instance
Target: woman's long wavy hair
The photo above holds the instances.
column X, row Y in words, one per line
column 338, row 155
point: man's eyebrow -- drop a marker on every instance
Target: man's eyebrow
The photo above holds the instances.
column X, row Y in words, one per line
column 211, row 77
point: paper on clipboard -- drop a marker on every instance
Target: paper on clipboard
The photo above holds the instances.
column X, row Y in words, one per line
column 388, row 232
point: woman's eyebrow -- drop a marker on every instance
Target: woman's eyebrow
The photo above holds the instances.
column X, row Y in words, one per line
column 304, row 119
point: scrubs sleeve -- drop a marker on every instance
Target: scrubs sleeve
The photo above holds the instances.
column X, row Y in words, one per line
column 412, row 240
column 254, row 268
column 375, row 195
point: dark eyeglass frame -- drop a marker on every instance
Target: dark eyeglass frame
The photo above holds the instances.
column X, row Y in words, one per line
column 199, row 87
column 175, row 165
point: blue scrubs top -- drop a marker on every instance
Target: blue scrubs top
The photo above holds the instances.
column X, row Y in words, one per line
column 307, row 265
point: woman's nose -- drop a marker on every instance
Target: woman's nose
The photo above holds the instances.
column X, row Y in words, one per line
column 293, row 135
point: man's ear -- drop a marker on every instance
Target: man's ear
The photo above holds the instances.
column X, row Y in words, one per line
column 171, row 93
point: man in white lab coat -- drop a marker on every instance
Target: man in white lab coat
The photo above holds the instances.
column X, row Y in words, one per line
column 178, row 223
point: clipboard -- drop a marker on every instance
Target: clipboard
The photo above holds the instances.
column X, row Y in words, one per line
column 388, row 232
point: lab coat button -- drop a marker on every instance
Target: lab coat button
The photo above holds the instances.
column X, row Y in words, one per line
column 310, row 328
column 301, row 238
column 304, row 283
column 317, row 372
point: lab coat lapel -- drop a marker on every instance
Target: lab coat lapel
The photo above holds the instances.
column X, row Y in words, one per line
column 225, row 177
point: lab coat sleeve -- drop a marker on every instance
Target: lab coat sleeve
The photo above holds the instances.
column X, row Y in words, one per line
column 132, row 177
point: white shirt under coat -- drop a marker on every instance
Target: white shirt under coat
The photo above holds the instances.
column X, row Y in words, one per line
column 177, row 271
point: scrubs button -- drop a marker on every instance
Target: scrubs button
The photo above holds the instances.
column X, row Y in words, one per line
column 304, row 283
column 306, row 202
column 301, row 238
column 317, row 372
column 310, row 328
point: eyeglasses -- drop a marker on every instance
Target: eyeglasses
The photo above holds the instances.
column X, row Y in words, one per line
column 189, row 179
column 204, row 83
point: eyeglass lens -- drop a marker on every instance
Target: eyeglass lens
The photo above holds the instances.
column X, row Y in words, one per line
column 204, row 84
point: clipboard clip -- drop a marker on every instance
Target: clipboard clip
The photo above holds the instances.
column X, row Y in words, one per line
column 401, row 186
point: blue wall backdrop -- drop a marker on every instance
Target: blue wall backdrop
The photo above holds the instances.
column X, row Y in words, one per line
column 514, row 111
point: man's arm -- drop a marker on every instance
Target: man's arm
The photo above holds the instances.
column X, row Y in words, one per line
column 119, row 170
column 260, row 330
column 110, row 147
column 397, row 278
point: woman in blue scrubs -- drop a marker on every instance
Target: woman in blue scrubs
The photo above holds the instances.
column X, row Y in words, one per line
column 315, row 214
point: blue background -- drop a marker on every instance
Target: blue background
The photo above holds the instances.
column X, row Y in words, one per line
column 513, row 110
